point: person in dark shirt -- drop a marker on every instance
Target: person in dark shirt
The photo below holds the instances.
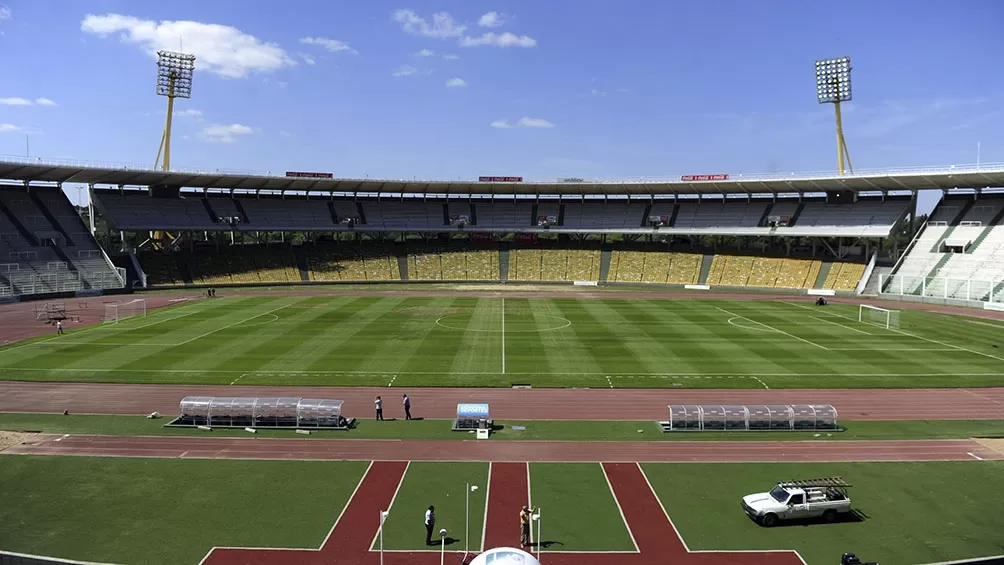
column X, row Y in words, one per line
column 407, row 407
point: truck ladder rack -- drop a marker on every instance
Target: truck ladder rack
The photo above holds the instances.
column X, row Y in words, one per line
column 816, row 483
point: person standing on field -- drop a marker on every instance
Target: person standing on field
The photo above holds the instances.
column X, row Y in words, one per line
column 407, row 407
column 430, row 524
column 379, row 408
column 59, row 327
column 524, row 525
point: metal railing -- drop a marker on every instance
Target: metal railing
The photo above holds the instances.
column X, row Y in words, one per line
column 977, row 290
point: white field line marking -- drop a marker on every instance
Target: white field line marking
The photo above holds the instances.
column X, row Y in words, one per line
column 382, row 374
column 619, row 509
column 684, row 542
column 998, row 326
column 391, row 505
column 484, row 523
column 529, row 502
column 392, row 379
column 901, row 332
column 880, row 349
column 840, row 325
column 503, row 335
column 228, row 326
column 323, row 543
column 981, row 397
column 233, row 382
column 803, row 340
column 754, row 328
column 757, row 379
column 974, row 456
column 610, row 382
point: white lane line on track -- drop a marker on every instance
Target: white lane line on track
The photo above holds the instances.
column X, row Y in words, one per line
column 974, row 456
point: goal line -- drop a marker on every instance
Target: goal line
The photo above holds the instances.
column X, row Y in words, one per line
column 114, row 313
column 882, row 317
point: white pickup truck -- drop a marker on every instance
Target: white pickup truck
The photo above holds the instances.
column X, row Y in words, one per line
column 799, row 500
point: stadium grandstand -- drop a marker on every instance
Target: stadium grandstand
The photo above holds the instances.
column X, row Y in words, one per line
column 792, row 232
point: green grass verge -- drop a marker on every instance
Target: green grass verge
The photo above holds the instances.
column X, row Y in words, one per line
column 915, row 512
column 616, row 341
column 544, row 430
column 169, row 512
column 441, row 485
column 578, row 511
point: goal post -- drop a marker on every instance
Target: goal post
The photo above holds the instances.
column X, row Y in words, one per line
column 888, row 319
column 115, row 313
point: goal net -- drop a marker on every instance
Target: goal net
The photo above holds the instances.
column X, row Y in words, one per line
column 114, row 313
column 887, row 319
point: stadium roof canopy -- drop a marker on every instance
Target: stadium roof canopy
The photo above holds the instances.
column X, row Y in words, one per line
column 985, row 176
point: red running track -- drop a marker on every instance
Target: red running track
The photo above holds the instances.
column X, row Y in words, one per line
column 516, row 404
column 507, row 451
column 348, row 541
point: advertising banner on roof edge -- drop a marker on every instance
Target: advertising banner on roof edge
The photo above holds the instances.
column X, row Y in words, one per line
column 500, row 179
column 691, row 178
column 300, row 175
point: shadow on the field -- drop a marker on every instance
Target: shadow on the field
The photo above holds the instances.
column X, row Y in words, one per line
column 852, row 517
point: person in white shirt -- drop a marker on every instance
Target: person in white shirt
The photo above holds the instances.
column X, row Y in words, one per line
column 379, row 408
column 407, row 407
column 430, row 524
column 59, row 327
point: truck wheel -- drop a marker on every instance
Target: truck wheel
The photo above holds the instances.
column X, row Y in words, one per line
column 769, row 520
column 830, row 516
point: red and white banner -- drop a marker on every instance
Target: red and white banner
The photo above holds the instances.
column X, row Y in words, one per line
column 691, row 178
column 500, row 179
column 297, row 175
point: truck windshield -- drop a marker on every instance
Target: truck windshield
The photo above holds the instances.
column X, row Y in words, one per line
column 779, row 494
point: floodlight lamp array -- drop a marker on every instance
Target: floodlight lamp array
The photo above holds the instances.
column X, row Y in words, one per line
column 833, row 80
column 174, row 74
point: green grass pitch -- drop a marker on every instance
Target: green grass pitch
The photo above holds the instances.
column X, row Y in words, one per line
column 545, row 342
column 115, row 510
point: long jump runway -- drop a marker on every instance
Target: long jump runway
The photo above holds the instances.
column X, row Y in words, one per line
column 515, row 404
column 506, row 451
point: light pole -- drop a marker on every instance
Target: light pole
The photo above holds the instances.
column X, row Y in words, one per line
column 442, row 546
column 383, row 517
column 467, row 523
column 536, row 518
column 833, row 86
column 174, row 80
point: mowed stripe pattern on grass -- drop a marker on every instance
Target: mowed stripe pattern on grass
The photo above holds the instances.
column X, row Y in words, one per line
column 458, row 341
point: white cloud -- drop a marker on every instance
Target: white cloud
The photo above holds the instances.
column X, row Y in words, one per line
column 524, row 122
column 222, row 50
column 193, row 114
column 5, row 13
column 425, row 53
column 404, row 70
column 285, row 133
column 225, row 133
column 442, row 25
column 9, row 128
column 307, row 58
column 456, row 83
column 499, row 40
column 491, row 19
column 534, row 123
column 17, row 101
column 332, row 45
column 451, row 57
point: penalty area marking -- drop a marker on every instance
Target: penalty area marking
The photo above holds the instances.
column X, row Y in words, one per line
column 233, row 382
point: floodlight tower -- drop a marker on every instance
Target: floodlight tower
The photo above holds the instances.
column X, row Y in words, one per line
column 833, row 86
column 174, row 80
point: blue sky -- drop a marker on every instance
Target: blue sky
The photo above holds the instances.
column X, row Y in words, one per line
column 588, row 88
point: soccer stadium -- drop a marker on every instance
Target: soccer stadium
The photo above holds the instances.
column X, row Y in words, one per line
column 222, row 368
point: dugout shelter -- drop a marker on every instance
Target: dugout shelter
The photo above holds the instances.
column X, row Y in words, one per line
column 757, row 417
column 472, row 417
column 249, row 412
